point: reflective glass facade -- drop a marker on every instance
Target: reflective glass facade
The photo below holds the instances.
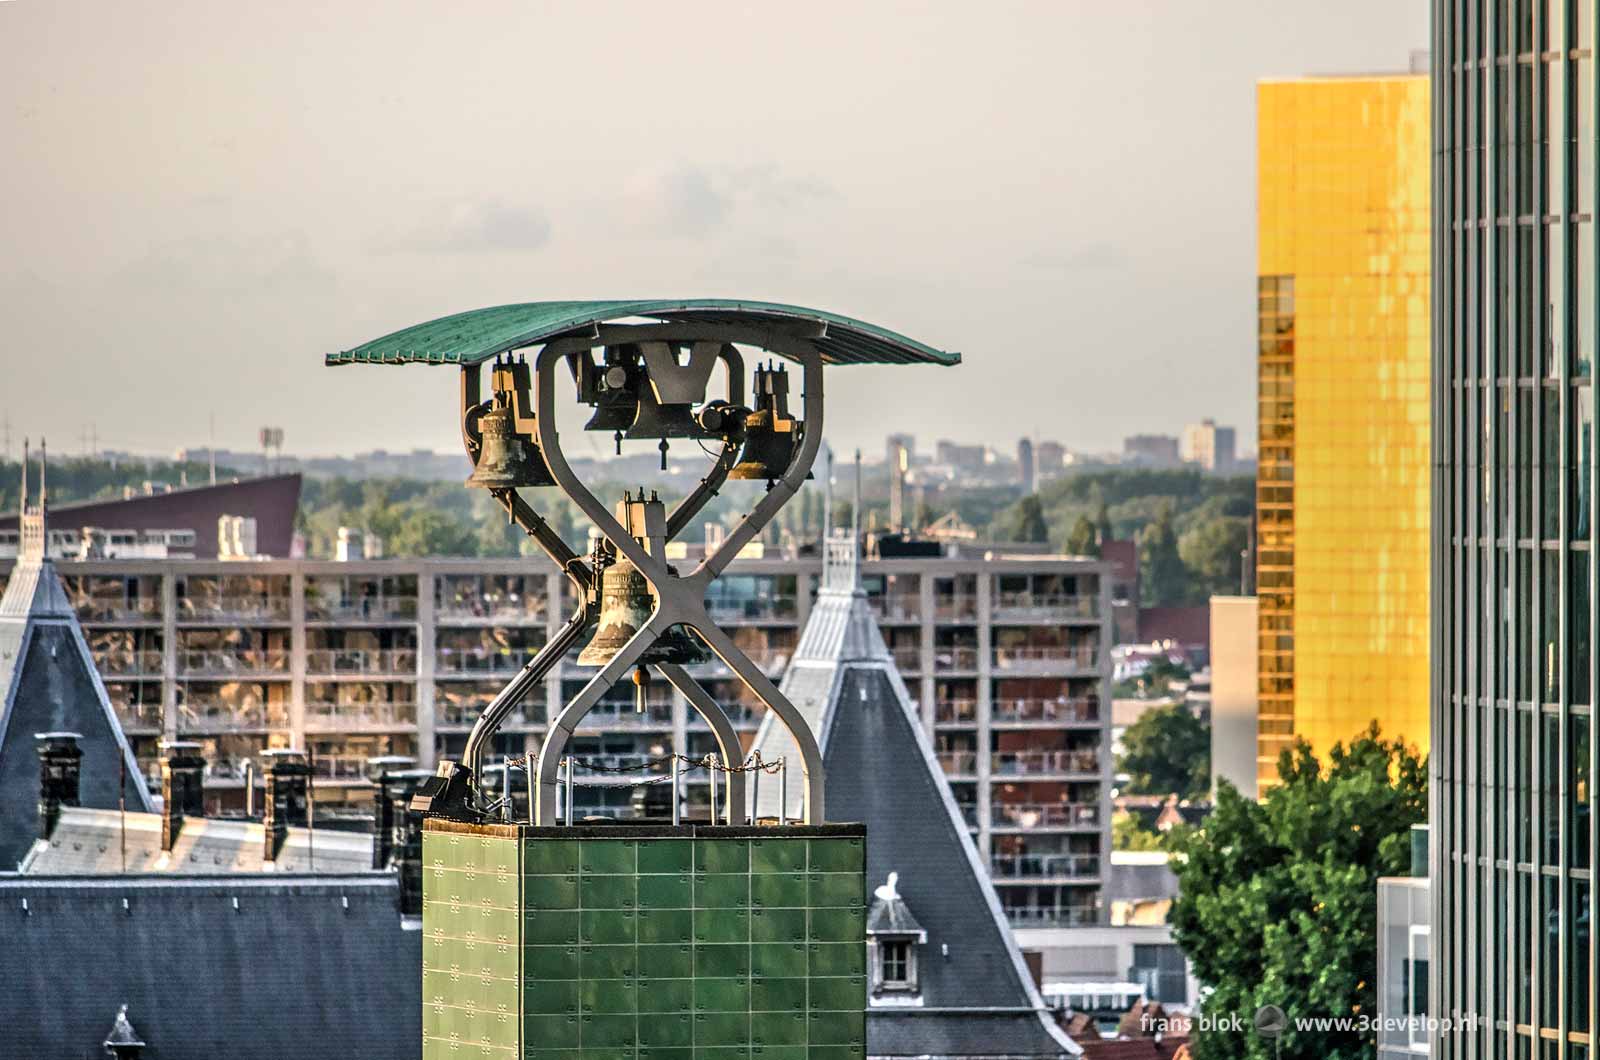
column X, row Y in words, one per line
column 1514, row 190
column 1342, row 487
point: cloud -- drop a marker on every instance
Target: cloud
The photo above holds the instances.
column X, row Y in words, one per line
column 1088, row 258
column 474, row 226
column 689, row 200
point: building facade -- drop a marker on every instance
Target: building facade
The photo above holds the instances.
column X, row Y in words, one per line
column 1514, row 582
column 1342, row 482
column 1210, row 447
column 1008, row 660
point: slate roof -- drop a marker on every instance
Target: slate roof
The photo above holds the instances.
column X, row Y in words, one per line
column 256, row 967
column 48, row 683
column 977, row 997
column 88, row 841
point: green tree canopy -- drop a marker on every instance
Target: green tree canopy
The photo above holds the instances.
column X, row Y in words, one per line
column 1277, row 902
column 1028, row 523
column 1127, row 833
column 1167, row 752
column 1162, row 577
column 1213, row 552
column 1084, row 538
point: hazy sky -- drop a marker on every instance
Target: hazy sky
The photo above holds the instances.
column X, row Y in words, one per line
column 200, row 199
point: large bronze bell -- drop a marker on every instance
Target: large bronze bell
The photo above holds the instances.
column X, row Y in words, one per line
column 625, row 606
column 771, row 435
column 506, row 460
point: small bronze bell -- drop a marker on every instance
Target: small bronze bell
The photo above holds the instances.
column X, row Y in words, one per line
column 625, row 606
column 506, row 460
column 771, row 435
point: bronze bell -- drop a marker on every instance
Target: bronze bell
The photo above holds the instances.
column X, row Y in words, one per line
column 771, row 435
column 506, row 460
column 625, row 606
column 615, row 395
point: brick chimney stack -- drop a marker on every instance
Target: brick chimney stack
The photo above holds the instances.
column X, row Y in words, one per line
column 288, row 781
column 382, row 771
column 182, row 792
column 60, row 769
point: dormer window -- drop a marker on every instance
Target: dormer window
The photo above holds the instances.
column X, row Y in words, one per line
column 894, row 937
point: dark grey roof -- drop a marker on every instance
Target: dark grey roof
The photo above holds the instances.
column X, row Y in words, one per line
column 892, row 916
column 48, row 683
column 308, row 968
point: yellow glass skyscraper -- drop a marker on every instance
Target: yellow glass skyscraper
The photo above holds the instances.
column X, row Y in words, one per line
column 1342, row 488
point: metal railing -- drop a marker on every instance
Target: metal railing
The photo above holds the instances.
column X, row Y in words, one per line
column 138, row 715
column 120, row 662
column 1043, row 866
column 771, row 660
column 958, row 763
column 196, row 715
column 947, row 658
column 1043, row 658
column 1030, row 763
column 339, row 767
column 1051, row 916
column 1045, row 606
column 323, row 661
column 1044, row 815
column 767, row 608
column 373, row 609
column 907, row 660
column 139, row 609
column 525, row 715
column 1081, row 709
column 492, row 611
column 896, row 608
column 504, row 661
column 955, row 608
column 243, row 661
column 955, row 711
column 325, row 715
column 233, row 609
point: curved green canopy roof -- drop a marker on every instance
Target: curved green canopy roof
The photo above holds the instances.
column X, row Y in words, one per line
column 479, row 334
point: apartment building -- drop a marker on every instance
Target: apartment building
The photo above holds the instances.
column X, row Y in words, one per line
column 1008, row 659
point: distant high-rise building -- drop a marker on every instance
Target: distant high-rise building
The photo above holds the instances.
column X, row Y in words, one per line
column 1049, row 458
column 1150, row 450
column 1213, row 448
column 1511, row 778
column 895, row 445
column 1342, row 487
column 899, row 462
column 1025, row 468
column 963, row 457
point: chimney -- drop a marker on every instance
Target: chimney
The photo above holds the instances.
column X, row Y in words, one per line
column 382, row 771
column 407, row 842
column 60, row 766
column 182, row 792
column 288, row 779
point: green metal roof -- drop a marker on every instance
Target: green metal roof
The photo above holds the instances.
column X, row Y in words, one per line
column 479, row 334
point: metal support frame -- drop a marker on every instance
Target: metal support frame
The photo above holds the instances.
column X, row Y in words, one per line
column 680, row 600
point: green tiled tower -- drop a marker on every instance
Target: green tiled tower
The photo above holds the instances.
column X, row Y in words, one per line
column 648, row 942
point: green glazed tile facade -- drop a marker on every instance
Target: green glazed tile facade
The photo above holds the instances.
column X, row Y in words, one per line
column 644, row 944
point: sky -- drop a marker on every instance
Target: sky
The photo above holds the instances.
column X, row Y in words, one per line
column 201, row 199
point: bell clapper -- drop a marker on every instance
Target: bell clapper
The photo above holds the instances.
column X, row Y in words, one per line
column 641, row 688
column 663, row 447
column 618, row 439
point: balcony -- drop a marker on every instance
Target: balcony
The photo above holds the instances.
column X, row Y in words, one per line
column 1040, row 916
column 740, row 715
column 339, row 717
column 958, row 763
column 474, row 663
column 473, row 612
column 128, row 663
column 907, row 660
column 1029, row 815
column 339, row 768
column 372, row 609
column 1043, row 763
column 764, row 609
column 138, row 715
column 619, row 761
column 245, row 662
column 956, row 712
column 952, row 659
column 969, row 813
column 896, row 608
column 772, row 662
column 1044, row 866
column 233, row 609
column 1044, row 607
column 139, row 609
column 205, row 714
column 1083, row 710
column 658, row 716
column 324, row 662
column 959, row 609
column 1044, row 659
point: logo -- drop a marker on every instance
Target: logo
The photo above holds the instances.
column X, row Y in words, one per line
column 1271, row 1022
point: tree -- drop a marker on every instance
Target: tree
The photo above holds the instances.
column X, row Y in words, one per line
column 1167, row 752
column 1162, row 577
column 1276, row 901
column 1212, row 551
column 1084, row 538
column 429, row 532
column 1028, row 523
column 1127, row 833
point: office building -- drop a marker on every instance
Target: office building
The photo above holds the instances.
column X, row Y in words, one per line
column 1233, row 693
column 1026, row 472
column 1209, row 447
column 1342, row 484
column 1007, row 659
column 1514, row 579
column 1150, row 450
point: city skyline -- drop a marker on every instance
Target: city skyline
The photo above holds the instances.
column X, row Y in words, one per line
column 219, row 258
